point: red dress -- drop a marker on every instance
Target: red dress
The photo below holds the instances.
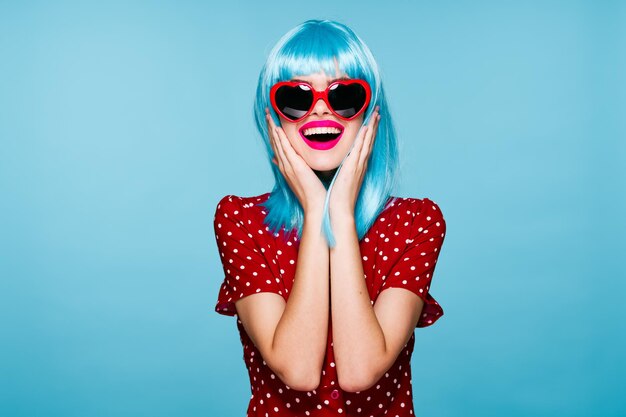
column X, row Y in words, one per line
column 399, row 250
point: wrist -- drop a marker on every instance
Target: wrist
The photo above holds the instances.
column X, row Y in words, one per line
column 313, row 206
column 313, row 214
column 341, row 216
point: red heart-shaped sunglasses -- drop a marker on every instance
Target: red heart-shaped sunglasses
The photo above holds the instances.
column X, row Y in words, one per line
column 346, row 99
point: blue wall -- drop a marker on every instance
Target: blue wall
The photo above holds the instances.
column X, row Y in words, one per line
column 121, row 126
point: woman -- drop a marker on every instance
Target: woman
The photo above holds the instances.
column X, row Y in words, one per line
column 328, row 274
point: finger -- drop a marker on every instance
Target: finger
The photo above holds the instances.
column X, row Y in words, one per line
column 353, row 155
column 375, row 133
column 270, row 119
column 375, row 130
column 366, row 136
column 278, row 152
column 363, row 144
column 360, row 139
column 290, row 153
column 280, row 145
column 271, row 138
column 272, row 126
column 369, row 140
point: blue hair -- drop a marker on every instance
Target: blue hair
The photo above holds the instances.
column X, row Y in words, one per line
column 311, row 47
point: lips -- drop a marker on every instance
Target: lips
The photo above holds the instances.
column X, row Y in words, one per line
column 321, row 134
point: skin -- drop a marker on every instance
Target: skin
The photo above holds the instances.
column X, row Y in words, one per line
column 292, row 335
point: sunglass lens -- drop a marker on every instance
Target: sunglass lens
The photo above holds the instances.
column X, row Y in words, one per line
column 347, row 99
column 294, row 101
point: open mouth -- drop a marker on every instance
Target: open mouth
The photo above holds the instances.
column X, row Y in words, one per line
column 321, row 134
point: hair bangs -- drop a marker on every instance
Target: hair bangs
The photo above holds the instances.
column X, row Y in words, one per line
column 312, row 51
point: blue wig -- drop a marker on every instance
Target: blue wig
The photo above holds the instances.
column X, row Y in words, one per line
column 309, row 48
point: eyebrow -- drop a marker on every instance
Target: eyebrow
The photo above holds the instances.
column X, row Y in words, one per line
column 329, row 82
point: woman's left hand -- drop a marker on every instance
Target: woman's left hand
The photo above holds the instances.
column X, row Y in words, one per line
column 348, row 183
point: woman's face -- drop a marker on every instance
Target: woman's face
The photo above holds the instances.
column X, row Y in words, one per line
column 324, row 161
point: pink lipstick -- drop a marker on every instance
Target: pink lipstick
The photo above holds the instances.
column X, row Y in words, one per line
column 313, row 131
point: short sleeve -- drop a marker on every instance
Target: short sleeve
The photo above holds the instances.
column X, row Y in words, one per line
column 239, row 241
column 414, row 269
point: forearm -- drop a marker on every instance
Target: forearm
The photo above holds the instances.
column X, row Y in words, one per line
column 358, row 338
column 301, row 334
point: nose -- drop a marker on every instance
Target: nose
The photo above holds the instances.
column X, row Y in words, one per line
column 320, row 109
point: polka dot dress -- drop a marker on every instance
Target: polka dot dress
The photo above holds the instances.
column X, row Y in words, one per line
column 400, row 250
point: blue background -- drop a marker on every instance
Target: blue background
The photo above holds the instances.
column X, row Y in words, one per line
column 122, row 125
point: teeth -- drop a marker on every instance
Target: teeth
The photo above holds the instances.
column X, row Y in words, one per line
column 320, row 130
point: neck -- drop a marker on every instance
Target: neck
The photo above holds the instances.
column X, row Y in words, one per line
column 326, row 176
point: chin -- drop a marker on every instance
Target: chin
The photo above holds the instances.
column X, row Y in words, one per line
column 322, row 166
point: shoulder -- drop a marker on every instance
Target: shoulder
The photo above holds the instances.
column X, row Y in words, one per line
column 413, row 207
column 236, row 208
column 231, row 203
column 412, row 213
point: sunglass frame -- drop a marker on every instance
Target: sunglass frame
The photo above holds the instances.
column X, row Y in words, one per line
column 321, row 95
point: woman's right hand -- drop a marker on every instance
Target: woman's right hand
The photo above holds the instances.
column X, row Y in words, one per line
column 301, row 178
